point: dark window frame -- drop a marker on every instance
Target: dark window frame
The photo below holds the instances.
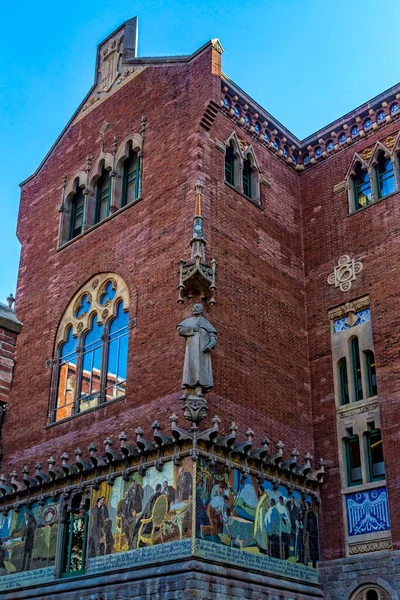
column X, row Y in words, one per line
column 352, row 439
column 374, row 433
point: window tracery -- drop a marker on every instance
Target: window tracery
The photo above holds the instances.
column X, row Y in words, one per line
column 241, row 167
column 374, row 174
column 91, row 350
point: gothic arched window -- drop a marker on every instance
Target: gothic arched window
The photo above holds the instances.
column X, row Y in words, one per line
column 230, row 159
column 343, row 382
column 362, row 187
column 371, row 373
column 92, row 347
column 356, row 367
column 131, row 179
column 384, row 176
column 247, row 178
column 77, row 213
column 376, row 463
column 103, row 196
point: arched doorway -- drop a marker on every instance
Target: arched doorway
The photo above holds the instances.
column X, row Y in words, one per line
column 370, row 592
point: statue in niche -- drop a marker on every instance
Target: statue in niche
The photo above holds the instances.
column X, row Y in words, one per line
column 200, row 337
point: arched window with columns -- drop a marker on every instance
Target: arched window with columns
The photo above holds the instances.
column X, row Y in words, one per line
column 91, row 350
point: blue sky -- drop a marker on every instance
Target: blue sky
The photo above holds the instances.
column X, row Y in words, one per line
column 306, row 61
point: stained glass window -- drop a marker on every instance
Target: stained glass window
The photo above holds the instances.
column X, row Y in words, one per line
column 247, row 119
column 294, row 159
column 91, row 366
column 376, row 462
column 67, row 370
column 362, row 187
column 131, row 178
column 285, row 151
column 117, row 358
column 266, row 137
column 318, row 151
column 385, row 176
column 276, row 144
column 330, row 146
column 77, row 213
column 75, row 541
column 306, row 159
column 367, row 123
column 342, row 138
column 230, row 165
column 236, row 110
column 103, row 197
column 394, row 108
column 227, row 102
column 353, row 456
column 257, row 128
column 247, row 175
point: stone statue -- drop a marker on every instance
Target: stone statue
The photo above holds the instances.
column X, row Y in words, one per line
column 201, row 337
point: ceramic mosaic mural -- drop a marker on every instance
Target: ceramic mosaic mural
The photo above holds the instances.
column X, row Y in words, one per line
column 145, row 511
column 239, row 512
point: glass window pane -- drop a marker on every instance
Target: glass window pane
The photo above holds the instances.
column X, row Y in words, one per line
column 362, row 186
column 386, row 182
column 131, row 179
column 103, row 197
column 91, row 369
column 353, row 461
column 371, row 373
column 247, row 173
column 117, row 355
column 229, row 165
column 75, row 542
column 376, row 461
column 343, row 382
column 357, row 380
column 66, row 377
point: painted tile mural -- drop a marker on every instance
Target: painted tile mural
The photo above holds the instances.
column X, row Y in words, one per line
column 368, row 512
column 237, row 511
column 145, row 511
column 29, row 538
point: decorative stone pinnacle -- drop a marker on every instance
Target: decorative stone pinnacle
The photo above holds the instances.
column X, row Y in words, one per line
column 64, row 457
column 25, row 469
column 78, row 452
column 280, row 446
column 10, row 301
column 266, row 442
column 14, row 474
column 38, row 467
column 108, row 443
column 156, row 425
column 250, row 434
column 233, row 428
column 92, row 448
column 51, row 461
column 173, row 418
column 123, row 437
column 216, row 421
column 139, row 430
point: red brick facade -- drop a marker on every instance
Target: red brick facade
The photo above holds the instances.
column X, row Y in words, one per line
column 272, row 365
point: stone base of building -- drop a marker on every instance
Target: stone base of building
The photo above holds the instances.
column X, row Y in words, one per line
column 184, row 580
column 340, row 579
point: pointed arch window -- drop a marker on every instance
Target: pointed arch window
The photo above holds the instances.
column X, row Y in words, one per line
column 385, row 176
column 356, row 366
column 230, row 159
column 103, row 197
column 92, row 347
column 343, row 382
column 77, row 213
column 247, row 178
column 130, row 179
column 362, row 187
